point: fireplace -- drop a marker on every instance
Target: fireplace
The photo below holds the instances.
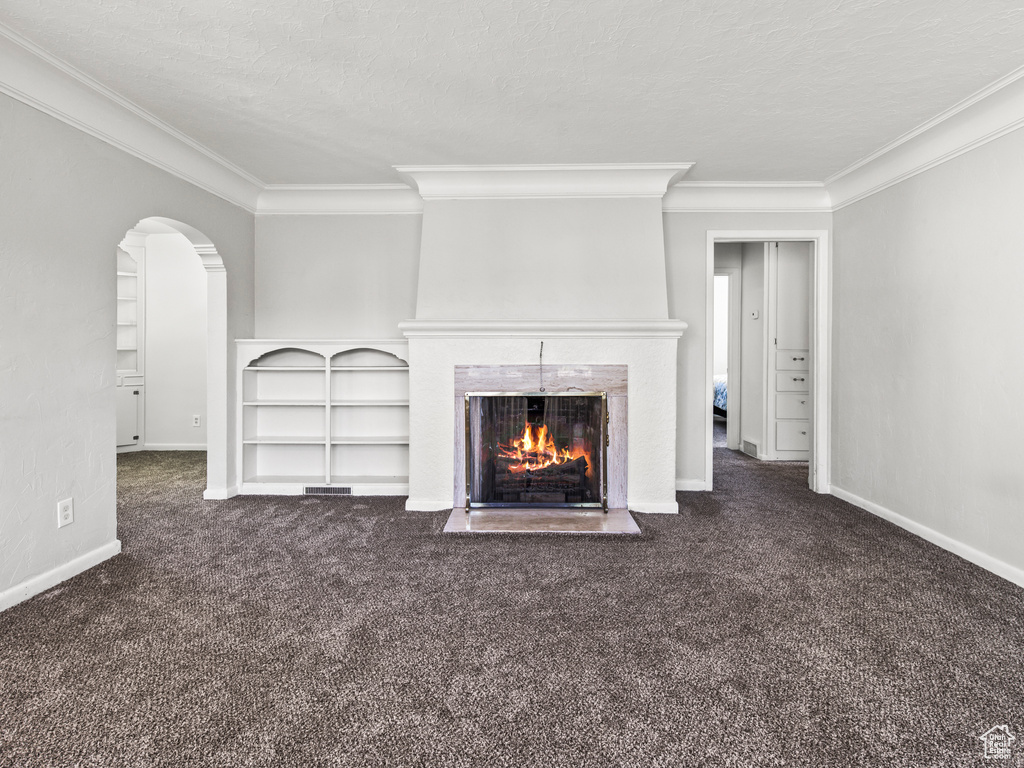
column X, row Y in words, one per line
column 536, row 449
column 486, row 235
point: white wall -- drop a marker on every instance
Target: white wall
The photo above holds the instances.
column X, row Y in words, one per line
column 752, row 426
column 928, row 358
column 343, row 276
column 561, row 258
column 721, row 354
column 687, row 265
column 68, row 200
column 175, row 344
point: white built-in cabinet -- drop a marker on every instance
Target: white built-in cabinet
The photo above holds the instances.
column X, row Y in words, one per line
column 130, row 335
column 318, row 415
column 789, row 379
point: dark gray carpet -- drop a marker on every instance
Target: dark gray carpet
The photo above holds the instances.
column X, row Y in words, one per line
column 763, row 626
column 719, row 437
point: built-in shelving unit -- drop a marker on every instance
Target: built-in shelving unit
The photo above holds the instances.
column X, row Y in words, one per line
column 130, row 335
column 324, row 414
column 127, row 313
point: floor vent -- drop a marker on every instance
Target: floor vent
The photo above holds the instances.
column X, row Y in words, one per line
column 750, row 448
column 327, row 490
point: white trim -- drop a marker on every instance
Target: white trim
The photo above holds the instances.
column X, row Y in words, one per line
column 219, row 494
column 448, row 182
column 821, row 342
column 553, row 328
column 735, row 358
column 655, row 507
column 51, row 578
column 322, row 346
column 984, row 116
column 993, row 565
column 318, row 199
column 217, row 464
column 41, row 80
column 747, row 197
column 274, row 489
column 691, row 485
column 426, row 505
column 174, row 447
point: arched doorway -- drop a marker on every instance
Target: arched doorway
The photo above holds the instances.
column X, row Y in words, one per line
column 216, row 345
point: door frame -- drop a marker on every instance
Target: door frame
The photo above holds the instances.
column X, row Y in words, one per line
column 217, row 343
column 820, row 347
column 732, row 428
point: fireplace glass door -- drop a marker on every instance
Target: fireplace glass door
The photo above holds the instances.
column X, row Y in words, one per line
column 536, row 449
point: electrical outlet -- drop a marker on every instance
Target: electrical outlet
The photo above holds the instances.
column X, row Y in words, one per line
column 197, row 420
column 65, row 512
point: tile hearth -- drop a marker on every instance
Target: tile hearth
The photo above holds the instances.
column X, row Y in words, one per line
column 541, row 520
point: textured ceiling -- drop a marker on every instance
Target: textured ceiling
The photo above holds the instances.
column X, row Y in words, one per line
column 322, row 91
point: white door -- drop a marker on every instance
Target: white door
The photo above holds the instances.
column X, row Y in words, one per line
column 788, row 386
column 128, row 401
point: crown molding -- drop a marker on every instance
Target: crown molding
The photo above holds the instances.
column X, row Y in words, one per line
column 453, row 182
column 40, row 80
column 986, row 115
column 311, row 199
column 747, row 197
column 462, row 328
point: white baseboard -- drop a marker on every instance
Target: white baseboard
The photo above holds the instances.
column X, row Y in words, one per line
column 967, row 552
column 426, row 505
column 219, row 494
column 691, row 485
column 32, row 587
column 174, row 447
column 654, row 507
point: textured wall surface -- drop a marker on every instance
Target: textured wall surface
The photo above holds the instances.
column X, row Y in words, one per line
column 67, row 201
column 320, row 91
column 176, row 333
column 336, row 277
column 928, row 354
column 542, row 259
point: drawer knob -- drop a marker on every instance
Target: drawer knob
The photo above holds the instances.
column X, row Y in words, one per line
column 802, row 432
column 798, row 359
column 803, row 402
column 796, row 379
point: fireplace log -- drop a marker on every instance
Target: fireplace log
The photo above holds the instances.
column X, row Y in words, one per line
column 556, row 477
column 572, row 467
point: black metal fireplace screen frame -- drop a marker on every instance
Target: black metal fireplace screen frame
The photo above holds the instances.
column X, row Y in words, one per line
column 603, row 443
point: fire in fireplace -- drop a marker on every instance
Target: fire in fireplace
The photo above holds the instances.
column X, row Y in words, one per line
column 536, row 448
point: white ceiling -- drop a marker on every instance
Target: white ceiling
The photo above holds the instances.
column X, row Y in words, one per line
column 331, row 92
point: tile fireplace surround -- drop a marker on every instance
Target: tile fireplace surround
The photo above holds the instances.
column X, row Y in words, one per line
column 641, row 475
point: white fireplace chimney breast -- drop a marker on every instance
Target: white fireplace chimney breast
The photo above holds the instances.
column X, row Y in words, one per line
column 573, row 257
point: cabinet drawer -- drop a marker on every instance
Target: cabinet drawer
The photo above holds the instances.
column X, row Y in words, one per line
column 792, row 381
column 792, row 435
column 793, row 406
column 792, row 359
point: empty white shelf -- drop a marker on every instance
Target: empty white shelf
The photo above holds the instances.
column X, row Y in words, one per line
column 370, row 440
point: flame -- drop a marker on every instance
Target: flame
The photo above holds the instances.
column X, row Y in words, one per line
column 536, row 449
